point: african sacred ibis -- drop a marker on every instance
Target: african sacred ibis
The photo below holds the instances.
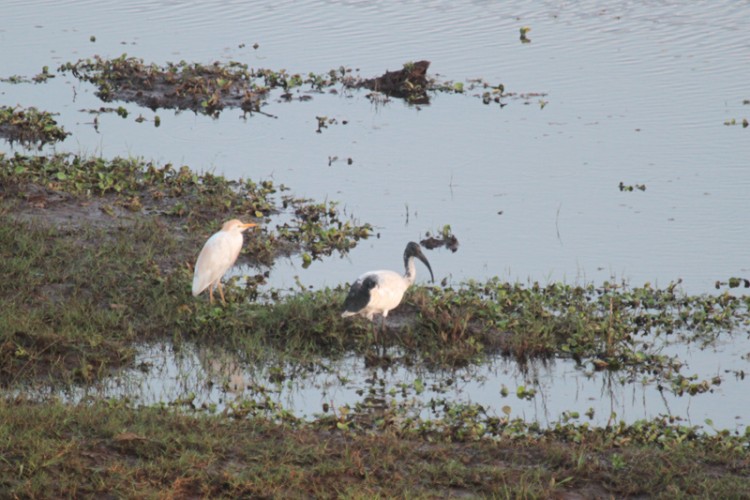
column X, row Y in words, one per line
column 217, row 256
column 378, row 292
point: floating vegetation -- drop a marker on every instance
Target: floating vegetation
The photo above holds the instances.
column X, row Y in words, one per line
column 204, row 89
column 445, row 238
column 735, row 121
column 29, row 126
column 631, row 188
column 324, row 121
column 733, row 282
column 41, row 77
column 15, row 79
column 211, row 88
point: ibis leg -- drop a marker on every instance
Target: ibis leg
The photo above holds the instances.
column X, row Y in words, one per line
column 382, row 334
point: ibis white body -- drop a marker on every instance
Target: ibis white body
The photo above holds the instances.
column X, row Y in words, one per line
column 218, row 256
column 383, row 290
column 379, row 292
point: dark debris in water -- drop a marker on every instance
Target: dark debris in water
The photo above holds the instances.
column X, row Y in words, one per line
column 431, row 242
column 445, row 239
column 524, row 31
column 735, row 121
column 733, row 282
column 409, row 83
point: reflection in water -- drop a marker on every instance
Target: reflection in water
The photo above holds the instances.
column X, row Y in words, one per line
column 223, row 369
column 542, row 392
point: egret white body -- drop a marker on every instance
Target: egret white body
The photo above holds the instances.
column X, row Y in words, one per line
column 378, row 292
column 217, row 257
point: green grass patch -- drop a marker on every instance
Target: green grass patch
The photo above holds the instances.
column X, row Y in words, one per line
column 109, row 448
column 612, row 326
column 185, row 200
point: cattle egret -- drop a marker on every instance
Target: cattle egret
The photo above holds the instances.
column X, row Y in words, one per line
column 217, row 257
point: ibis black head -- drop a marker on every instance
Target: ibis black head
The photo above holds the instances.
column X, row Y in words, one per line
column 414, row 250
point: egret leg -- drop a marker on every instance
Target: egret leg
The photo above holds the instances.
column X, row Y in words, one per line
column 221, row 292
column 211, row 294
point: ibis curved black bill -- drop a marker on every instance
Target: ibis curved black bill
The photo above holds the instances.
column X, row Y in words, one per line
column 414, row 250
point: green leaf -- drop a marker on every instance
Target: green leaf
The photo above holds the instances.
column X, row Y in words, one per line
column 419, row 386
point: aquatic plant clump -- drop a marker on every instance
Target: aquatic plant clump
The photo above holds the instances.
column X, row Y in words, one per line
column 29, row 126
column 202, row 88
column 613, row 326
column 210, row 88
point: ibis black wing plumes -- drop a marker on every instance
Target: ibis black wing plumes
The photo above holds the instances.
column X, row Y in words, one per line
column 359, row 294
column 379, row 292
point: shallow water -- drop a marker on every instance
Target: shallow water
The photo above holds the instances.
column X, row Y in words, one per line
column 635, row 92
column 206, row 378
